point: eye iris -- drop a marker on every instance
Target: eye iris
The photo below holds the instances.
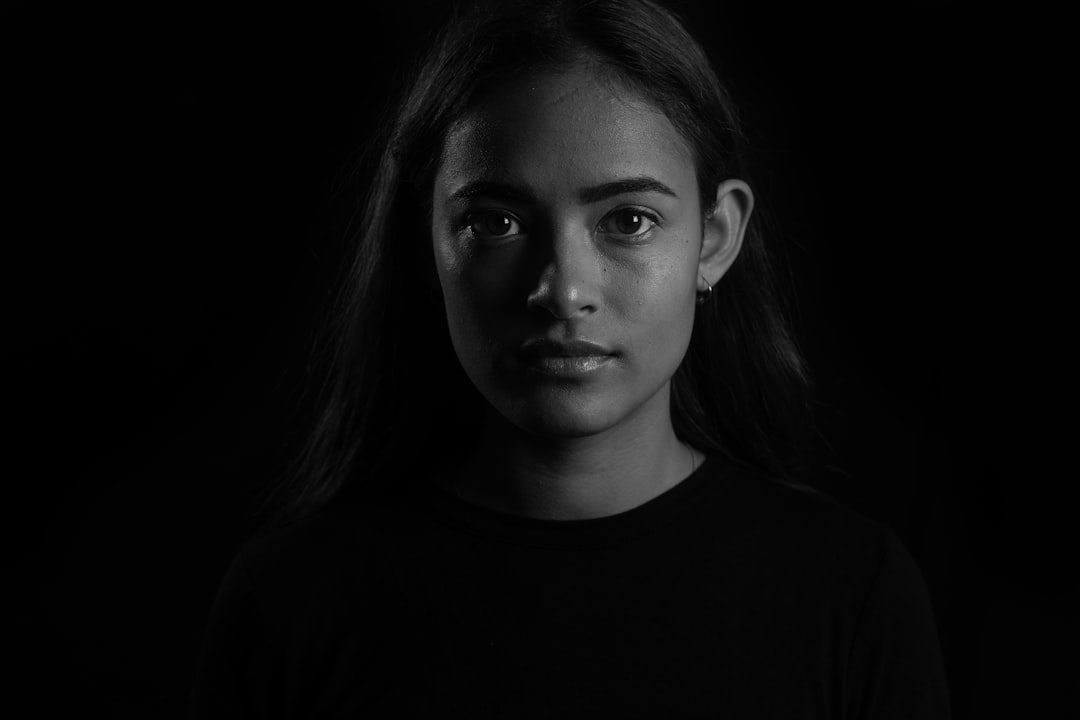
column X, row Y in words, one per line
column 628, row 223
column 492, row 224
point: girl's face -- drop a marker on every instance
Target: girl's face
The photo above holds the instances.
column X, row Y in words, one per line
column 567, row 231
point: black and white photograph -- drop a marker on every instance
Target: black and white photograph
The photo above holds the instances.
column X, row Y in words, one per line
column 528, row 359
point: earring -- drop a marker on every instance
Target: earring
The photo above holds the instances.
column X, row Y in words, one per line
column 704, row 295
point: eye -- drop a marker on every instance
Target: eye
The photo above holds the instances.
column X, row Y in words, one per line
column 492, row 224
column 629, row 222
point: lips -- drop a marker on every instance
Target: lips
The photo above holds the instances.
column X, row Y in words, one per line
column 564, row 359
column 541, row 348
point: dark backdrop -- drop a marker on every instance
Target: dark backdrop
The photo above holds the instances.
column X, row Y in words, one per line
column 168, row 238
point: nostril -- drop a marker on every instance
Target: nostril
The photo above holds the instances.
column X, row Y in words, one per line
column 569, row 279
column 563, row 300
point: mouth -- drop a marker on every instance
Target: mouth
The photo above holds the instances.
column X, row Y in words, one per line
column 568, row 358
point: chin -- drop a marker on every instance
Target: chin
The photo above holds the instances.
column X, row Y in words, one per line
column 562, row 417
column 561, row 426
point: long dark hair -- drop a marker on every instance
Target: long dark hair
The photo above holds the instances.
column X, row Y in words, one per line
column 391, row 397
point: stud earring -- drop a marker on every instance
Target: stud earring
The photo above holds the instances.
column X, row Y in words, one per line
column 704, row 295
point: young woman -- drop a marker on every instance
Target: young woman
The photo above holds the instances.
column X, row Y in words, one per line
column 552, row 470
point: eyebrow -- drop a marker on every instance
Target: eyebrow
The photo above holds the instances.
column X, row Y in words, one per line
column 642, row 184
column 589, row 195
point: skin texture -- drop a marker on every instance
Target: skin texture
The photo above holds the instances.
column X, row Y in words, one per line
column 531, row 240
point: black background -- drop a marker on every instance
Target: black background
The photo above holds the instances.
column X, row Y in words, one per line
column 167, row 241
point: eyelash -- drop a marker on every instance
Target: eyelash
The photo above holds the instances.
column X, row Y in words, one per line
column 473, row 218
column 653, row 220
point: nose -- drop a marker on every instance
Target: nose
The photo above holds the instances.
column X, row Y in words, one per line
column 568, row 285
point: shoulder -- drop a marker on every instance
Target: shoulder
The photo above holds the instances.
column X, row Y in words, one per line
column 851, row 573
column 333, row 553
column 766, row 505
column 804, row 532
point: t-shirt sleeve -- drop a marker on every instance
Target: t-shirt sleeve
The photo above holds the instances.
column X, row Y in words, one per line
column 896, row 668
column 220, row 689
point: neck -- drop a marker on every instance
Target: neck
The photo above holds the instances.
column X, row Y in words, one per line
column 570, row 478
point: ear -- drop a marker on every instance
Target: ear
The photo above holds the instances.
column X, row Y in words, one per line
column 724, row 227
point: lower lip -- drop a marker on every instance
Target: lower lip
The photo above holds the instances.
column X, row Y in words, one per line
column 569, row 366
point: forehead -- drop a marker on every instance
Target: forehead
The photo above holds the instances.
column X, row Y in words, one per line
column 568, row 128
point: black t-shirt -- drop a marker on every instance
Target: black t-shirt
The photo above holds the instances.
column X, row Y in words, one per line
column 728, row 596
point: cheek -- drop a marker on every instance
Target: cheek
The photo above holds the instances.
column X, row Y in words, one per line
column 475, row 291
column 450, row 262
column 662, row 298
column 473, row 294
column 463, row 323
column 450, row 255
column 661, row 286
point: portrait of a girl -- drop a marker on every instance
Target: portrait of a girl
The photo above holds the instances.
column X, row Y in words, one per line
column 554, row 471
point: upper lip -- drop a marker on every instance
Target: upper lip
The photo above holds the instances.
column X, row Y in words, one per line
column 545, row 347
